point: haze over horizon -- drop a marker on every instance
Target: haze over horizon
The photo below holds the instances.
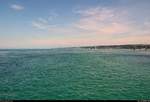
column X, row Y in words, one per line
column 69, row 23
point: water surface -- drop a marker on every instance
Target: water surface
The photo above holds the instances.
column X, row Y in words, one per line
column 74, row 74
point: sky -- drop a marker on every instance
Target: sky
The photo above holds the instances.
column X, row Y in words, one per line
column 71, row 23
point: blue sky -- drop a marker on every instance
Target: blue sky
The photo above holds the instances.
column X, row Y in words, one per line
column 64, row 23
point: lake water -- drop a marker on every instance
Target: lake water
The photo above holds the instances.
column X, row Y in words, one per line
column 74, row 74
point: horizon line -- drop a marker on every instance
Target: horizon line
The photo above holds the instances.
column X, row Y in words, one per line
column 69, row 47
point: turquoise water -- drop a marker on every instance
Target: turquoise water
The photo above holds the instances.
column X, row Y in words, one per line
column 74, row 74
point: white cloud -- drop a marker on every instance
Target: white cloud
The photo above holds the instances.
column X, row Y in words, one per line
column 95, row 20
column 42, row 24
column 45, row 23
column 52, row 15
column 98, row 25
column 42, row 20
column 103, row 21
column 16, row 7
column 39, row 25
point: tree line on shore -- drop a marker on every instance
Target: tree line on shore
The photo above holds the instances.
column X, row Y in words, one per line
column 132, row 46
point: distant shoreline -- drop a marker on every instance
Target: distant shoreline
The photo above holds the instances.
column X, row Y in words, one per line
column 128, row 46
